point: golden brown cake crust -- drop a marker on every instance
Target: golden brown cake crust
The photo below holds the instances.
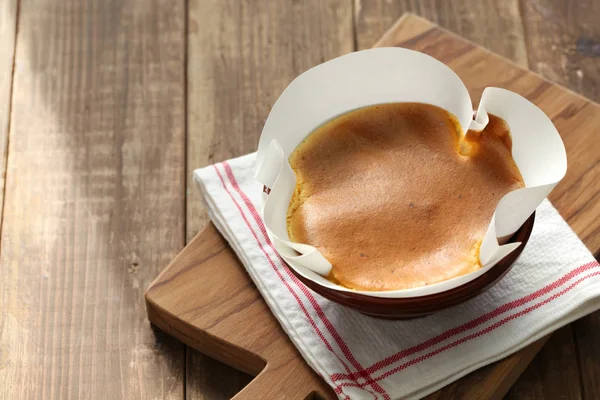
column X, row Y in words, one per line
column 387, row 197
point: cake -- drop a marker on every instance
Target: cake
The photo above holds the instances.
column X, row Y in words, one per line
column 396, row 197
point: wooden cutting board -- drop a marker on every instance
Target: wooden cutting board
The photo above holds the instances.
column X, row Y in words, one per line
column 206, row 299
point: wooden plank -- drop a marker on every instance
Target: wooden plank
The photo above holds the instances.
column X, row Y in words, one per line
column 564, row 46
column 238, row 330
column 559, row 35
column 553, row 374
column 563, row 38
column 495, row 25
column 94, row 200
column 241, row 55
column 8, row 29
column 213, row 379
column 588, row 349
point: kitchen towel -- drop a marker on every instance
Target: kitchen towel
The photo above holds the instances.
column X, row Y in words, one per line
column 555, row 281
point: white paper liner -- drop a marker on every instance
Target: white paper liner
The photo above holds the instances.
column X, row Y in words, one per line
column 391, row 75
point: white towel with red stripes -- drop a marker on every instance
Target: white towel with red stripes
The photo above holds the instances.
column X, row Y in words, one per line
column 555, row 281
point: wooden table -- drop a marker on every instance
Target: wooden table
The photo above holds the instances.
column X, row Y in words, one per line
column 105, row 109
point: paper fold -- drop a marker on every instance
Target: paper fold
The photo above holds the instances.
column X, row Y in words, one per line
column 388, row 75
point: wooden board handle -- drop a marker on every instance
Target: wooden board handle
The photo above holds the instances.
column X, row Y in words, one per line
column 283, row 383
column 187, row 301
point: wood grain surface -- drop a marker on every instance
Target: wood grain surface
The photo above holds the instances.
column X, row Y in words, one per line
column 553, row 374
column 8, row 30
column 563, row 42
column 588, row 352
column 94, row 200
column 495, row 25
